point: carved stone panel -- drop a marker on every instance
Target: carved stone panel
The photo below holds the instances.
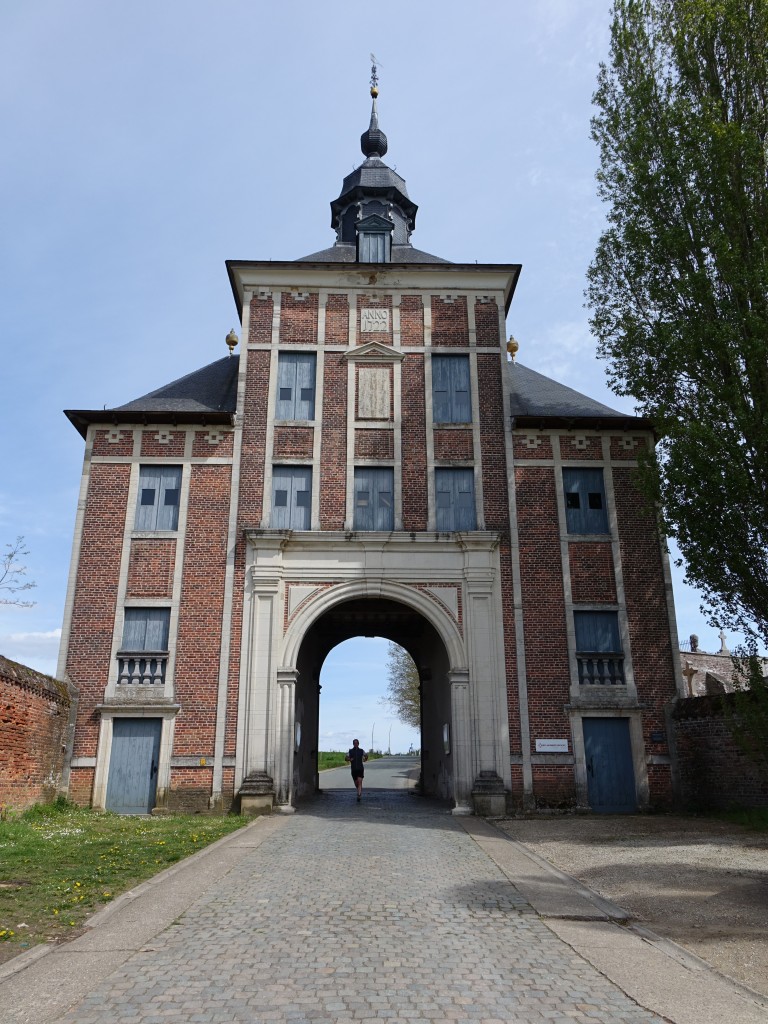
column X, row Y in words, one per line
column 373, row 393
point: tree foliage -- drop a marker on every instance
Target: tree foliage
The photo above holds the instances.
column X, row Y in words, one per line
column 12, row 574
column 678, row 287
column 403, row 695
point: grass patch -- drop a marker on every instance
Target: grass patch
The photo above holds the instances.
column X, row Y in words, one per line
column 335, row 758
column 59, row 863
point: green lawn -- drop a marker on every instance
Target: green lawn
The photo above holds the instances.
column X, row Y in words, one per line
column 335, row 758
column 59, row 863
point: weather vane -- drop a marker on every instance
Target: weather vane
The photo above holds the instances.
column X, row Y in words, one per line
column 375, row 65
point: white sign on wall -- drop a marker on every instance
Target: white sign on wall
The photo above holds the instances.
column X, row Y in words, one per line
column 551, row 746
column 373, row 320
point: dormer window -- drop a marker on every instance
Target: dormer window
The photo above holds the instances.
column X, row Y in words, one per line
column 374, row 239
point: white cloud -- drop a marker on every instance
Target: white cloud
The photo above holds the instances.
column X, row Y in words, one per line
column 37, row 650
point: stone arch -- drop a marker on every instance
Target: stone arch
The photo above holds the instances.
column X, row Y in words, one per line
column 362, row 589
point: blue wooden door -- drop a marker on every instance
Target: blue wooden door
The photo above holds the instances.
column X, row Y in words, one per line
column 610, row 772
column 133, row 765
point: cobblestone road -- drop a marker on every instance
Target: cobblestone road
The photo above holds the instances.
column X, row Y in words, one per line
column 382, row 911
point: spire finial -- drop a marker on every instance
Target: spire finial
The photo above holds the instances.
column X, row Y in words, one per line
column 374, row 141
column 375, row 65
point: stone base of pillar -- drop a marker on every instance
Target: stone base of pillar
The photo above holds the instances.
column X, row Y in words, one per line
column 257, row 794
column 488, row 795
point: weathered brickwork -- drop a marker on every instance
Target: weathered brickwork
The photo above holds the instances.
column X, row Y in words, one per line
column 411, row 320
column 487, row 323
column 592, row 575
column 260, row 321
column 337, row 320
column 532, row 445
column 510, row 646
column 198, row 645
column 293, row 442
column 374, row 444
column 494, row 460
column 81, row 786
column 453, row 444
column 628, row 447
column 163, row 444
column 554, row 786
column 34, row 712
column 113, row 443
column 213, row 444
column 333, row 450
column 254, row 440
column 298, row 318
column 714, row 771
column 581, row 448
column 93, row 614
column 450, row 326
column 546, row 644
column 150, row 568
column 653, row 658
column 414, row 470
column 190, row 789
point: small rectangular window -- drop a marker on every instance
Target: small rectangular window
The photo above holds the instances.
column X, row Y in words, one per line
column 450, row 389
column 455, row 500
column 158, row 504
column 585, row 510
column 599, row 652
column 373, row 498
column 146, row 629
column 296, row 386
column 291, row 497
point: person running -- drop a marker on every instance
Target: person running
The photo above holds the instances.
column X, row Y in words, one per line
column 356, row 758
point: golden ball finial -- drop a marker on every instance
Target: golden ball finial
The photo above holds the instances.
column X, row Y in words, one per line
column 231, row 340
column 374, row 91
column 512, row 347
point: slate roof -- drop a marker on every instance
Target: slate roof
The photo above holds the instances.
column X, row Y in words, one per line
column 207, row 395
column 348, row 254
column 539, row 400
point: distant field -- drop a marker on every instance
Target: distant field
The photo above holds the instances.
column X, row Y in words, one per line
column 335, row 758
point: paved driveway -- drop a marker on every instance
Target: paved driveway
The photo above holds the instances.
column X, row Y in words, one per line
column 383, row 911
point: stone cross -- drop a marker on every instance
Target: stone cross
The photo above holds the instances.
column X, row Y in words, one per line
column 723, row 647
column 689, row 672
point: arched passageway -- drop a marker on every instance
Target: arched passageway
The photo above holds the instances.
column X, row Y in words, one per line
column 405, row 626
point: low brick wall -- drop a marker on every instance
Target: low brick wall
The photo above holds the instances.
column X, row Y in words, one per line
column 34, row 714
column 713, row 771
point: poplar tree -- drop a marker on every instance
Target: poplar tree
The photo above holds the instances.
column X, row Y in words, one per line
column 678, row 288
column 403, row 694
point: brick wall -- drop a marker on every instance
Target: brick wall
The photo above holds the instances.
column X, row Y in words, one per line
column 34, row 713
column 714, row 772
column 414, row 471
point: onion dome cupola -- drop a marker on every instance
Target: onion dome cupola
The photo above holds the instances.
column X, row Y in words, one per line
column 373, row 216
column 373, row 212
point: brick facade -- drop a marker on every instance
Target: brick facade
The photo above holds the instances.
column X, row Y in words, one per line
column 34, row 714
column 497, row 604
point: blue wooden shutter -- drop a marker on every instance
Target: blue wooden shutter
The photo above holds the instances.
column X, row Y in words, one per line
column 291, row 497
column 374, row 498
column 305, row 386
column 585, row 510
column 158, row 499
column 461, row 407
column 286, row 386
column 441, row 389
column 597, row 632
column 146, row 629
column 455, row 500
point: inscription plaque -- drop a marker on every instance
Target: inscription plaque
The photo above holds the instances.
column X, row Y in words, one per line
column 373, row 320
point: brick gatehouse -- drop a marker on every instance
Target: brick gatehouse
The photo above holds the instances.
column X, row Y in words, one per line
column 372, row 462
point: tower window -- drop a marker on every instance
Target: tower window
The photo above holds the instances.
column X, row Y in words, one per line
column 296, row 386
column 585, row 510
column 373, row 498
column 291, row 497
column 158, row 504
column 455, row 500
column 373, row 247
column 450, row 389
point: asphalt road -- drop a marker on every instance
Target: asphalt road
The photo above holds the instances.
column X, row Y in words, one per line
column 383, row 773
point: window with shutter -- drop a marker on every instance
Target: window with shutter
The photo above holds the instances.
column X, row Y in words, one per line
column 158, row 501
column 146, row 629
column 291, row 497
column 296, row 386
column 374, row 498
column 450, row 389
column 599, row 651
column 585, row 510
column 455, row 500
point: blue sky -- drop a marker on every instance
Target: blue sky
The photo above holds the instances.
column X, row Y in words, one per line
column 146, row 143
